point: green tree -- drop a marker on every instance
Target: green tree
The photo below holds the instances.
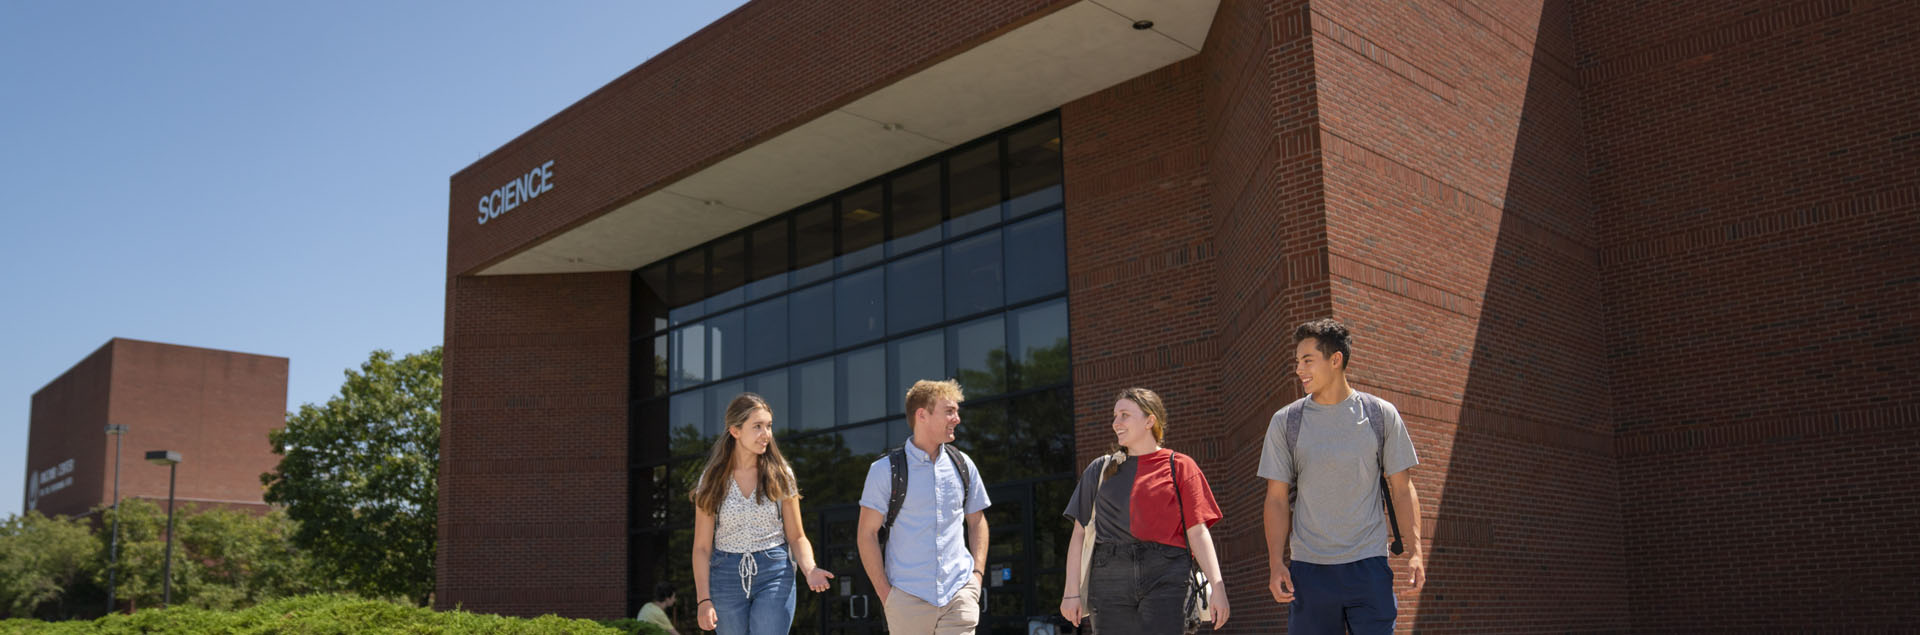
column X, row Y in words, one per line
column 41, row 561
column 358, row 475
column 223, row 559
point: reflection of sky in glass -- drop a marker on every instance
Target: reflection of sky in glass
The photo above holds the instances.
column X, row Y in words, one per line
column 863, row 388
column 813, row 395
column 922, row 356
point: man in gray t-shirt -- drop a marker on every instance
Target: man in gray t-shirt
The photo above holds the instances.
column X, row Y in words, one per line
column 1323, row 495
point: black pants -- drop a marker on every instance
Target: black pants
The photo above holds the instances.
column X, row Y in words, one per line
column 1138, row 588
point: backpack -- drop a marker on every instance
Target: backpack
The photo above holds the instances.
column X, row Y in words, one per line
column 897, row 460
column 1376, row 419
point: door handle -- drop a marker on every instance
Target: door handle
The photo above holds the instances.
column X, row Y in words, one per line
column 862, row 613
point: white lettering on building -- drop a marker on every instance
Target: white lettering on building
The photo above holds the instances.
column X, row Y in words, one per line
column 48, row 481
column 516, row 192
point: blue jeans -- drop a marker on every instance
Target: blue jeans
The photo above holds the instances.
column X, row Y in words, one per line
column 1354, row 597
column 753, row 593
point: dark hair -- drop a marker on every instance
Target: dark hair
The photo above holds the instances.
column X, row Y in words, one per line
column 662, row 591
column 1330, row 336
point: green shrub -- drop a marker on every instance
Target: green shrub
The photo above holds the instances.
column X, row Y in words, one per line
column 631, row 626
column 310, row 615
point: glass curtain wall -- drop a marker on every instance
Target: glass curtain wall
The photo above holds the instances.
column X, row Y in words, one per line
column 953, row 267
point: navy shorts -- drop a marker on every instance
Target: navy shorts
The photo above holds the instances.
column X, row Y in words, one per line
column 1338, row 598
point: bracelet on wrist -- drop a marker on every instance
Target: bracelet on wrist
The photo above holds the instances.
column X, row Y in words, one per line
column 697, row 604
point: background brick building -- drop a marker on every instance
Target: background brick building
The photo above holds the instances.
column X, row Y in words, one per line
column 1641, row 277
column 213, row 407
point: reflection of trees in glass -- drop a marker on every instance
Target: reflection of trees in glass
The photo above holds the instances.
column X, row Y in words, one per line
column 829, row 472
column 1028, row 436
column 1042, row 365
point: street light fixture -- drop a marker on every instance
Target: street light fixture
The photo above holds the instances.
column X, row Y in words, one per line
column 171, row 459
column 113, row 558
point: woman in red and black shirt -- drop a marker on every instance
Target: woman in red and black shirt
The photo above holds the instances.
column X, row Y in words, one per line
column 1138, row 582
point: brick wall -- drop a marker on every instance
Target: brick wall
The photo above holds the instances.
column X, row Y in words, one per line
column 67, row 421
column 533, row 473
column 1755, row 172
column 1461, row 250
column 213, row 407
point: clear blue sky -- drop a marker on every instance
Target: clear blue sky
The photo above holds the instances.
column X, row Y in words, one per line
column 266, row 177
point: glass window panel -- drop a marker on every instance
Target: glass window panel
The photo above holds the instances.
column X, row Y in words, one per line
column 859, row 307
column 813, row 243
column 1036, row 258
column 727, row 274
column 973, row 188
column 913, row 292
column 1042, row 432
column 649, row 436
column 648, row 364
column 769, row 255
column 979, row 352
column 981, row 428
column 727, row 342
column 718, row 397
column 866, row 443
column 650, row 300
column 922, row 356
column 773, row 387
column 689, row 356
column 688, row 416
column 766, row 334
column 1033, row 168
column 863, row 384
column 689, row 285
column 973, row 275
column 813, row 394
column 861, row 227
column 1040, row 341
column 916, row 209
column 810, row 326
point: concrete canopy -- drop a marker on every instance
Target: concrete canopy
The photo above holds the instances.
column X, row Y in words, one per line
column 1072, row 52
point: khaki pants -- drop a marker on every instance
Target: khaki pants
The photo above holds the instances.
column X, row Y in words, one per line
column 908, row 615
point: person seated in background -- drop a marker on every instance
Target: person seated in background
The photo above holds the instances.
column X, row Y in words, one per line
column 655, row 612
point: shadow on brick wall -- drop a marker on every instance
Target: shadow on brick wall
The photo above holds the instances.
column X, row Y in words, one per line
column 1527, row 531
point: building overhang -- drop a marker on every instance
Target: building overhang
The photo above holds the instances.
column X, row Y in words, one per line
column 1075, row 50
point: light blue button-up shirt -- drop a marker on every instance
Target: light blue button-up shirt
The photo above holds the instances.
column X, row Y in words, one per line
column 930, row 517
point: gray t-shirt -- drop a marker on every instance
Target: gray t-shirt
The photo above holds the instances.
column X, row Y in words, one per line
column 1335, row 470
column 1116, row 496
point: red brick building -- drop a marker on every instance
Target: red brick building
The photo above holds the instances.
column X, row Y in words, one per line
column 1642, row 277
column 213, row 407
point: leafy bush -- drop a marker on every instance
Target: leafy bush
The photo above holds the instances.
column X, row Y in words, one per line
column 310, row 615
column 631, row 626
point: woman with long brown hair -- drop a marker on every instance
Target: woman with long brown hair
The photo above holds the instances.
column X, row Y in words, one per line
column 1150, row 508
column 746, row 522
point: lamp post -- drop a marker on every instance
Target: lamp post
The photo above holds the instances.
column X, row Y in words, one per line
column 113, row 558
column 170, row 459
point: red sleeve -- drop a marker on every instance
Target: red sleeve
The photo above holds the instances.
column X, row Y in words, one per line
column 1198, row 495
column 1153, row 515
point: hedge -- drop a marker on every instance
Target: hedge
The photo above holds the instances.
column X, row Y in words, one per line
column 321, row 615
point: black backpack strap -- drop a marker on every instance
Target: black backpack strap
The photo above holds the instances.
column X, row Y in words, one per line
column 966, row 476
column 1377, row 419
column 897, row 496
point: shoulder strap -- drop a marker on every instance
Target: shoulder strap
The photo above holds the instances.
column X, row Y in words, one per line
column 966, row 476
column 1377, row 419
column 897, row 461
column 1295, row 413
column 1173, row 463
